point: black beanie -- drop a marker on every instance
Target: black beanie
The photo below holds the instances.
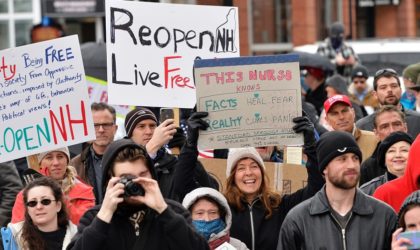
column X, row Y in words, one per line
column 388, row 142
column 135, row 116
column 333, row 144
column 336, row 29
column 413, row 198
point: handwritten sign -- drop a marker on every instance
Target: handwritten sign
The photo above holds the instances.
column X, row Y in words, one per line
column 251, row 101
column 152, row 47
column 44, row 102
column 98, row 92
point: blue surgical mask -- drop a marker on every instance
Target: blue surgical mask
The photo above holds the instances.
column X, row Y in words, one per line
column 206, row 228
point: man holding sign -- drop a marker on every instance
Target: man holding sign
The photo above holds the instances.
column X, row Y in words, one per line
column 142, row 127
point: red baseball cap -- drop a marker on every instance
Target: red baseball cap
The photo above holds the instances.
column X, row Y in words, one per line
column 336, row 99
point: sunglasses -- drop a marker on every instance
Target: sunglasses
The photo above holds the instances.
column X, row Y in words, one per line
column 384, row 71
column 44, row 202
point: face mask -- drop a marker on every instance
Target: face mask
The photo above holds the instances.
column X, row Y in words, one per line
column 206, row 228
column 336, row 41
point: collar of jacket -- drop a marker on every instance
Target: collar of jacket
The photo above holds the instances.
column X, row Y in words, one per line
column 356, row 132
column 85, row 153
column 319, row 204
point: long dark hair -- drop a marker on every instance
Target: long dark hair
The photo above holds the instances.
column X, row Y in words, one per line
column 270, row 199
column 30, row 235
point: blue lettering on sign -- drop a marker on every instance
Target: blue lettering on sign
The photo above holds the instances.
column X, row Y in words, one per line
column 59, row 55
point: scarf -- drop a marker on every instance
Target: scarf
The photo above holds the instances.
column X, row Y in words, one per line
column 207, row 228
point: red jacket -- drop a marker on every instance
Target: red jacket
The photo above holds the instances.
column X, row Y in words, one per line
column 79, row 199
column 394, row 192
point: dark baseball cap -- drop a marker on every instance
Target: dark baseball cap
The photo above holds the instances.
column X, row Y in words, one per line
column 359, row 71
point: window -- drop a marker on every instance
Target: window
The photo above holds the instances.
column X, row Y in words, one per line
column 16, row 20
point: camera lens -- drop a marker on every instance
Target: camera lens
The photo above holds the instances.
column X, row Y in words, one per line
column 133, row 189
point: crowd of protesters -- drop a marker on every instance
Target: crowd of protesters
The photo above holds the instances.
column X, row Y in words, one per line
column 361, row 149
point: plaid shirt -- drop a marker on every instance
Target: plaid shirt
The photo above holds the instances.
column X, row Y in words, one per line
column 327, row 50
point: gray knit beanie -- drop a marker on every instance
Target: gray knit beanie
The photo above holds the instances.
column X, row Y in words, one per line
column 64, row 150
column 338, row 83
column 237, row 154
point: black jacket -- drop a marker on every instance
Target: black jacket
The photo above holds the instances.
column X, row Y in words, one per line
column 317, row 97
column 10, row 185
column 189, row 176
column 310, row 225
column 250, row 225
column 169, row 230
column 83, row 163
column 177, row 176
column 370, row 168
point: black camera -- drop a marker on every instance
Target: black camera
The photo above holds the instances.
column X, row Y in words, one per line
column 131, row 188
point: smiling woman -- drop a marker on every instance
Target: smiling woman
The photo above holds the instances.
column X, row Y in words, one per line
column 257, row 211
column 46, row 224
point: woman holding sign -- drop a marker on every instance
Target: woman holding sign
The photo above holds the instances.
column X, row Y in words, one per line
column 258, row 212
column 78, row 196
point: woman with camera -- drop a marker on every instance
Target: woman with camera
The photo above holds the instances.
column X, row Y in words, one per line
column 46, row 224
column 78, row 196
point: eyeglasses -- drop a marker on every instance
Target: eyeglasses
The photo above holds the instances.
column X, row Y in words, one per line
column 105, row 126
column 44, row 202
column 384, row 71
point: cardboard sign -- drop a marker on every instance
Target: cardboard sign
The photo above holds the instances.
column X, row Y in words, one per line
column 151, row 48
column 284, row 178
column 44, row 102
column 251, row 101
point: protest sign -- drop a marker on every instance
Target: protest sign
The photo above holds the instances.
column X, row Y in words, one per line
column 98, row 92
column 44, row 102
column 152, row 47
column 251, row 101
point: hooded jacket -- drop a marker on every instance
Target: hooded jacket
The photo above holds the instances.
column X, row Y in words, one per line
column 192, row 197
column 136, row 227
column 394, row 192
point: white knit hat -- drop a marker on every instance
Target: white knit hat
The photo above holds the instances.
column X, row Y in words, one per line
column 64, row 150
column 237, row 154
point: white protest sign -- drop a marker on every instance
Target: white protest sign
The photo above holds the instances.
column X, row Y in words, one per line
column 151, row 48
column 251, row 101
column 44, row 102
column 98, row 92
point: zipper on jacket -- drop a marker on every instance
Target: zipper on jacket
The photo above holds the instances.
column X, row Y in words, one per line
column 251, row 217
column 343, row 230
column 343, row 233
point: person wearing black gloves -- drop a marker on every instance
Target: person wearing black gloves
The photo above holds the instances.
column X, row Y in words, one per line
column 134, row 214
column 257, row 211
column 188, row 177
column 142, row 127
